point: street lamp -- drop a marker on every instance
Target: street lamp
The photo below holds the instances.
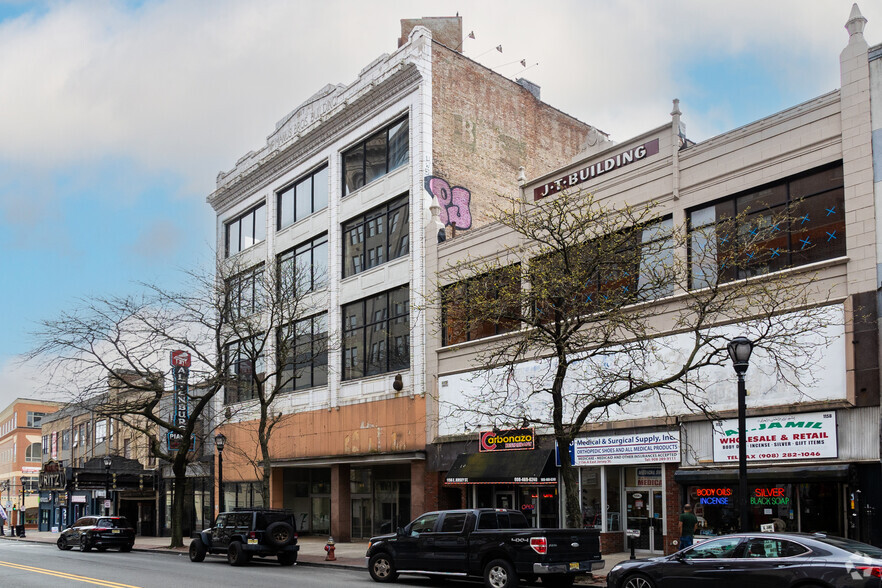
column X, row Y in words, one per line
column 219, row 441
column 739, row 351
column 107, row 461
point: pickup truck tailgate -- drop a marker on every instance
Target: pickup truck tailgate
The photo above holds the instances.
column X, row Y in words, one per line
column 572, row 545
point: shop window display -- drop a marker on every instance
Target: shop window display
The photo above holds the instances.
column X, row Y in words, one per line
column 613, row 498
column 592, row 513
column 716, row 508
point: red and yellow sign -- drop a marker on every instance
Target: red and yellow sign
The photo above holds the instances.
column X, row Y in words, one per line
column 508, row 440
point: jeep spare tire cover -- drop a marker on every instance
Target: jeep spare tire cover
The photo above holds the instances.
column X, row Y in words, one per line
column 279, row 534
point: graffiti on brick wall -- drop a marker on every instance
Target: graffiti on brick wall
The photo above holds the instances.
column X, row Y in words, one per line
column 454, row 202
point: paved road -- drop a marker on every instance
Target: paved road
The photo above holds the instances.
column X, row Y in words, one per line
column 37, row 565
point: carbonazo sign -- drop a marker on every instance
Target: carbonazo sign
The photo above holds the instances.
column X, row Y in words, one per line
column 509, row 440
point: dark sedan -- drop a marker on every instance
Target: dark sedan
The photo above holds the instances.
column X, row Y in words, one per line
column 758, row 560
column 98, row 532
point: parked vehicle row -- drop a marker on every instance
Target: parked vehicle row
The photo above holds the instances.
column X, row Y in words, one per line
column 499, row 546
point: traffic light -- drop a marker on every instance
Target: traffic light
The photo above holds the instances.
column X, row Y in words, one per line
column 14, row 507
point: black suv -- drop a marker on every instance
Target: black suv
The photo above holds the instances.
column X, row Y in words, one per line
column 245, row 533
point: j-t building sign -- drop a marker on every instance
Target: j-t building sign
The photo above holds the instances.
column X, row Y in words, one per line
column 180, row 362
column 808, row 435
column 613, row 162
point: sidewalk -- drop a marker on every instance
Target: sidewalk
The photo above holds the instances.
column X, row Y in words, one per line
column 312, row 552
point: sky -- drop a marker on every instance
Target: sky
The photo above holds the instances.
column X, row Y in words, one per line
column 116, row 117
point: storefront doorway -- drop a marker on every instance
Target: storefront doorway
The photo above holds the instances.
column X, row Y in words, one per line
column 505, row 500
column 644, row 513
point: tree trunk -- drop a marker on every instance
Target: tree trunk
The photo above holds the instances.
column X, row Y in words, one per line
column 179, row 467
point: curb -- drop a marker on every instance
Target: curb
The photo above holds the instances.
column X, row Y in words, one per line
column 168, row 551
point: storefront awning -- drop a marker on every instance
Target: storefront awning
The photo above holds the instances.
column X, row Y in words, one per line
column 530, row 468
column 775, row 474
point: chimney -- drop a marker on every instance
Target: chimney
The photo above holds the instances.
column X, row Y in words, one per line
column 529, row 86
column 447, row 30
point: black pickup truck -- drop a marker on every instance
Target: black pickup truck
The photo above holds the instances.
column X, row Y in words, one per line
column 495, row 544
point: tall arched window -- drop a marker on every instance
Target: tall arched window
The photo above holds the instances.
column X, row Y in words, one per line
column 32, row 453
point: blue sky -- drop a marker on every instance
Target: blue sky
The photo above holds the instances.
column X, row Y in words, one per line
column 115, row 117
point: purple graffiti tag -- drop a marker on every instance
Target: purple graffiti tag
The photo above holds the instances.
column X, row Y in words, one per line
column 454, row 202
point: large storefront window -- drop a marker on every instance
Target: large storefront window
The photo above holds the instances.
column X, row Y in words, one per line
column 613, row 498
column 789, row 507
column 592, row 512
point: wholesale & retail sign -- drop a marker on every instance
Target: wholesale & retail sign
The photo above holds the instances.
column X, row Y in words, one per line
column 808, row 435
column 660, row 447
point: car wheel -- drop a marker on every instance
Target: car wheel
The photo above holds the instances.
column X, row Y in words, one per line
column 638, row 581
column 288, row 558
column 197, row 550
column 279, row 534
column 499, row 573
column 558, row 580
column 236, row 554
column 382, row 568
column 84, row 545
column 62, row 544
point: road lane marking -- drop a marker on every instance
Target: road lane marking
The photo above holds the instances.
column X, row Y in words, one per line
column 66, row 576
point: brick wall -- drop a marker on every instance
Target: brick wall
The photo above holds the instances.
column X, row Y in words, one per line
column 485, row 126
column 673, row 508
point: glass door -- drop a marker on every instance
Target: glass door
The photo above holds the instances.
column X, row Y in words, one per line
column 645, row 514
column 638, row 518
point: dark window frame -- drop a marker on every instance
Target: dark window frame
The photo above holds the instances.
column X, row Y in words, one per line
column 362, row 146
column 728, row 209
column 290, row 255
column 252, row 212
column 292, row 189
column 317, row 356
column 363, row 330
column 240, row 387
column 473, row 331
column 360, row 224
column 239, row 305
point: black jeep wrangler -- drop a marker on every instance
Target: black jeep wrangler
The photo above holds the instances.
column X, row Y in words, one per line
column 245, row 533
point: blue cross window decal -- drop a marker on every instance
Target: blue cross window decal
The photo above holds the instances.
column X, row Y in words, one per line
column 805, row 242
column 830, row 236
column 805, row 219
column 831, row 210
column 776, row 252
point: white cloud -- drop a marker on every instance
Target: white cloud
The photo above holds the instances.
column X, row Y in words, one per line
column 189, row 86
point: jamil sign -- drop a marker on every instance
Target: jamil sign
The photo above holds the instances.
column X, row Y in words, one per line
column 180, row 358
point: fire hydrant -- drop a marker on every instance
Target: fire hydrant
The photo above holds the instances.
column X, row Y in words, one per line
column 330, row 549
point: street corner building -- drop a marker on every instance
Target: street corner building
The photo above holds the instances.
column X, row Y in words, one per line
column 813, row 454
column 343, row 191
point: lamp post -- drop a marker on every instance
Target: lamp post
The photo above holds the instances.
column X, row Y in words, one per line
column 219, row 442
column 107, row 461
column 739, row 351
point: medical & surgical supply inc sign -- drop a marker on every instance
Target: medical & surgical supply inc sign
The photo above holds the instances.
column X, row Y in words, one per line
column 807, row 435
column 663, row 447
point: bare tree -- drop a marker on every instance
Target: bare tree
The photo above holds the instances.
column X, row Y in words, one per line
column 278, row 343
column 113, row 352
column 604, row 300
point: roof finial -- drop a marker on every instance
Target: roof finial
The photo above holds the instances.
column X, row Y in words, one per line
column 856, row 22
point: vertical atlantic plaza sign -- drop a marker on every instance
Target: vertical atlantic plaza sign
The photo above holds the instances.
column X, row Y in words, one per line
column 599, row 168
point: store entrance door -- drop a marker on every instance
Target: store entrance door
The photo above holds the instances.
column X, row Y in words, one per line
column 644, row 508
column 505, row 500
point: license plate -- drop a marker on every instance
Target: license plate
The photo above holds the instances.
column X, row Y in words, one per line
column 116, row 531
column 574, row 565
column 252, row 542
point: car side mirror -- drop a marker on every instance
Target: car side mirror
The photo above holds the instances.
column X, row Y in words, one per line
column 400, row 531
